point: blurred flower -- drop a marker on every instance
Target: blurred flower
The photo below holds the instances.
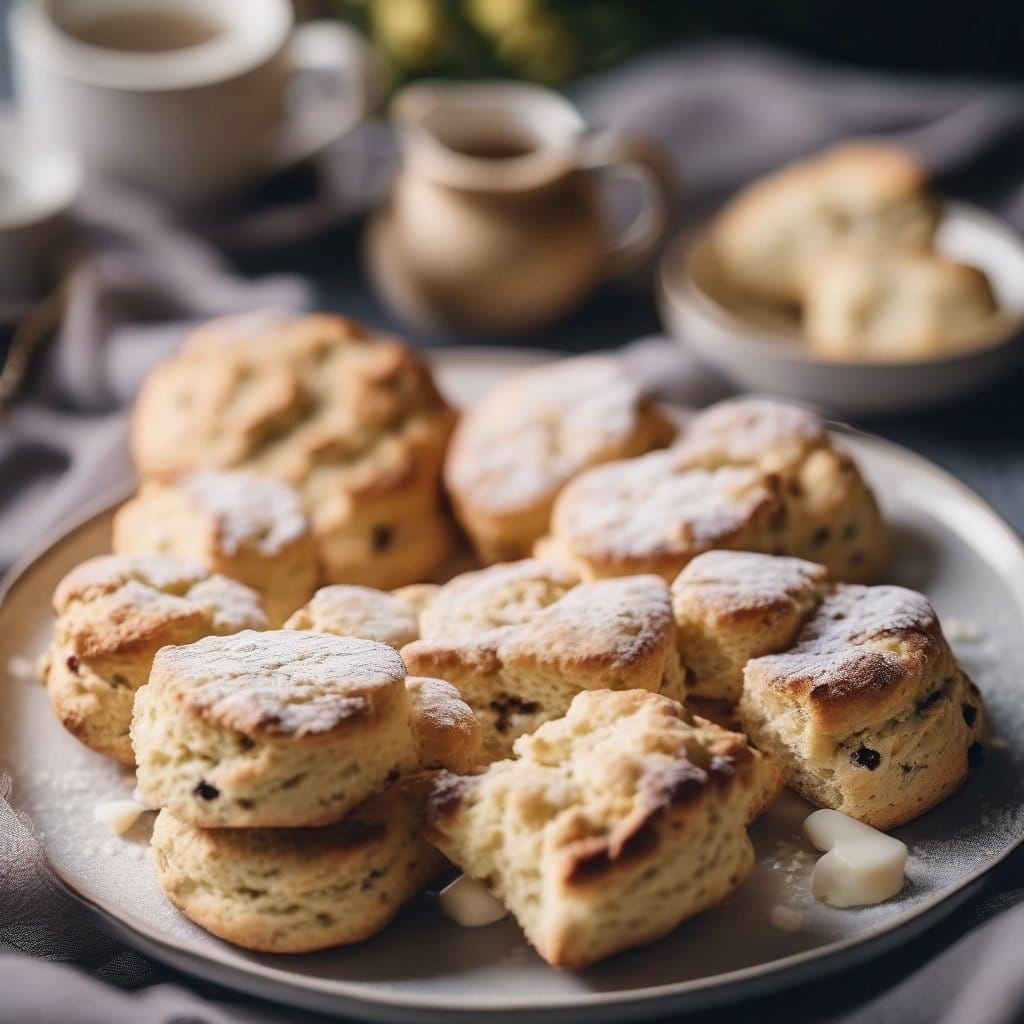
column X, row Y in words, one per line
column 411, row 32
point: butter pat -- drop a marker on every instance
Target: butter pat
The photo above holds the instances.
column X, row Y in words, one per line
column 467, row 902
column 118, row 815
column 861, row 866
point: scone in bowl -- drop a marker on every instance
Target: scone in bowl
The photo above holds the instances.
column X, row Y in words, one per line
column 760, row 346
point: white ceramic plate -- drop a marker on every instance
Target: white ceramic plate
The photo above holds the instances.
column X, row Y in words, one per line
column 424, row 967
column 760, row 347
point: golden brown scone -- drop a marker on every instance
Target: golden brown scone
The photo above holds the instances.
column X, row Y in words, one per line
column 524, row 440
column 359, row 611
column 520, row 640
column 352, row 420
column 297, row 890
column 286, row 729
column 868, row 713
column 613, row 824
column 861, row 196
column 897, row 306
column 114, row 613
column 731, row 606
column 248, row 527
column 749, row 474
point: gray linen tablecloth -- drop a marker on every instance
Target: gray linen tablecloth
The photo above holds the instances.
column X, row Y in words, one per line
column 727, row 113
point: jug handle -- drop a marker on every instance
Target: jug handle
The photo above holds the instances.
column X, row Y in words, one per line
column 607, row 151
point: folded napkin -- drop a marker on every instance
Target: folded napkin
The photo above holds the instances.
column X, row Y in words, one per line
column 727, row 113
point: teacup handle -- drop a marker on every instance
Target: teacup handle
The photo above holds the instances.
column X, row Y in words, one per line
column 352, row 75
column 615, row 153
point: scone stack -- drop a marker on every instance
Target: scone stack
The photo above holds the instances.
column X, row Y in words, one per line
column 288, row 769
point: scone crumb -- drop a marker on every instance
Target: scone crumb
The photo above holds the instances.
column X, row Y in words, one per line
column 118, row 815
column 961, row 630
column 22, row 669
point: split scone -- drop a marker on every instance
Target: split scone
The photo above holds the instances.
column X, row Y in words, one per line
column 749, row 474
column 612, row 825
column 114, row 612
column 286, row 729
column 359, row 611
column 896, row 306
column 352, row 420
column 248, row 527
column 523, row 441
column 297, row 890
column 731, row 606
column 868, row 712
column 519, row 640
column 861, row 196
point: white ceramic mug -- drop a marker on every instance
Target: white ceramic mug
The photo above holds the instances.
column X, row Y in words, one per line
column 198, row 103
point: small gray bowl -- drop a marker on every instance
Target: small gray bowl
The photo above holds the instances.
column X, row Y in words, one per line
column 760, row 347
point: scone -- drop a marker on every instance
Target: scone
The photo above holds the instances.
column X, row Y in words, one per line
column 731, row 606
column 359, row 611
column 114, row 613
column 613, row 824
column 248, row 527
column 297, row 890
column 353, row 421
column 868, row 713
column 896, row 306
column 282, row 729
column 523, row 441
column 749, row 474
column 860, row 196
column 519, row 640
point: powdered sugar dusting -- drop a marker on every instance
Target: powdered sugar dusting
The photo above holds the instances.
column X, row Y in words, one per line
column 731, row 580
column 249, row 511
column 279, row 682
column 105, row 574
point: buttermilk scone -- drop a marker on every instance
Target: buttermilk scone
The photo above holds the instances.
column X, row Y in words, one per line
column 731, row 606
column 248, row 527
column 749, row 474
column 896, row 306
column 520, row 640
column 284, row 728
column 297, row 890
column 868, row 712
column 523, row 441
column 352, row 420
column 359, row 611
column 861, row 196
column 114, row 613
column 612, row 825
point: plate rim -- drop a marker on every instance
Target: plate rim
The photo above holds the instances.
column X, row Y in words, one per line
column 751, row 979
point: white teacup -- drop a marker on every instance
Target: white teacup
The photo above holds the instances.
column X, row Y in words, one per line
column 186, row 98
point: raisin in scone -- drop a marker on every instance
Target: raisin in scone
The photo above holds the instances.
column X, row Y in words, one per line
column 283, row 728
column 353, row 421
column 731, row 606
column 612, row 825
column 302, row 889
column 519, row 640
column 114, row 612
column 248, row 527
column 868, row 712
column 897, row 306
column 523, row 441
column 748, row 474
column 861, row 197
column 359, row 611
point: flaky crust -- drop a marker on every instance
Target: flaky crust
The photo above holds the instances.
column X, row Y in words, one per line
column 298, row 890
column 519, row 640
column 359, row 611
column 114, row 613
column 350, row 419
column 515, row 449
column 610, row 827
column 748, row 474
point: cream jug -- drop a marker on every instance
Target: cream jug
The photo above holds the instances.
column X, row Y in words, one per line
column 495, row 223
